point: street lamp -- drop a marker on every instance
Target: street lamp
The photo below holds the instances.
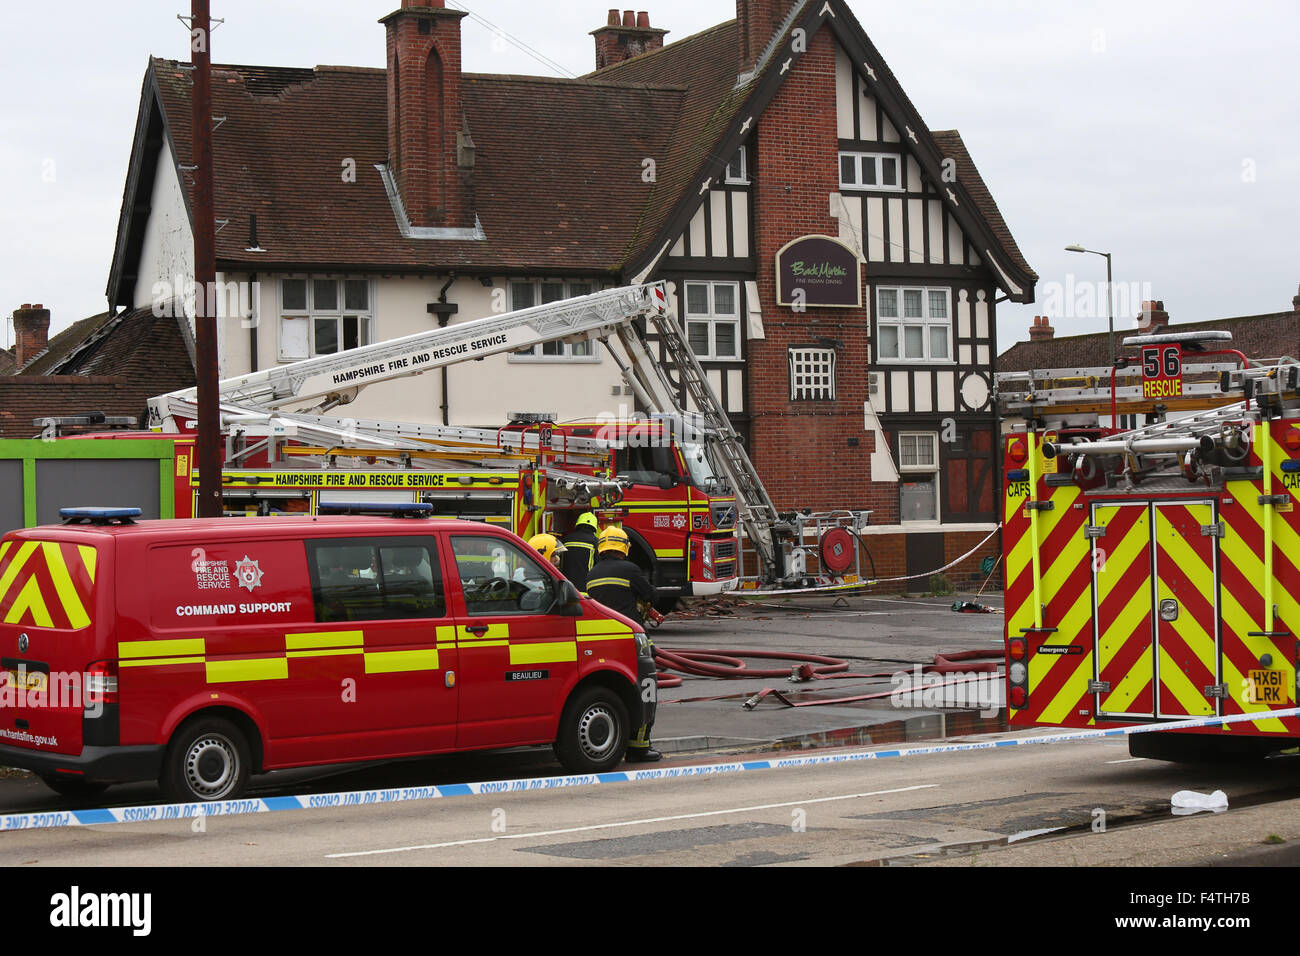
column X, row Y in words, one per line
column 1110, row 304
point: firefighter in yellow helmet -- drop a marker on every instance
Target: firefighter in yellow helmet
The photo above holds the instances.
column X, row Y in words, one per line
column 581, row 553
column 549, row 547
column 617, row 583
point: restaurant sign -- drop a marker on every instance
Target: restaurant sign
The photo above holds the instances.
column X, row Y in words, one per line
column 818, row 271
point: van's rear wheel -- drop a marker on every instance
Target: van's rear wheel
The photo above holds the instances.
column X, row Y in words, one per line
column 207, row 760
column 72, row 787
column 593, row 731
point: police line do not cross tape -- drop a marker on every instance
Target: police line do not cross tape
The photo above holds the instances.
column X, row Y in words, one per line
column 360, row 798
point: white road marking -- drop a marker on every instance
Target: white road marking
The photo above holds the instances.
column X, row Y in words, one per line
column 626, row 823
column 1126, row 760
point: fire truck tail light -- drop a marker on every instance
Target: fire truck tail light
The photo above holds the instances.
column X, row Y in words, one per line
column 1292, row 438
column 1018, row 672
column 101, row 682
column 1017, row 451
column 1017, row 650
column 1019, row 697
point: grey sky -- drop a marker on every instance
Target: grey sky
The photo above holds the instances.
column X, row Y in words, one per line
column 1167, row 133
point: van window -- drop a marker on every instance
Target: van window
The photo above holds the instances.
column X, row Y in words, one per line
column 375, row 579
column 499, row 578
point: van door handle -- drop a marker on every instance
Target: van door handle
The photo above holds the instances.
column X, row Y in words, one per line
column 478, row 630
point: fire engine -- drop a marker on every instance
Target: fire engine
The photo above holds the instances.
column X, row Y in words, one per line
column 678, row 479
column 1153, row 574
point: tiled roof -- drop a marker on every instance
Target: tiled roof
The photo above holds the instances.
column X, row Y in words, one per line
column 24, row 398
column 7, row 362
column 1272, row 335
column 557, row 178
column 950, row 141
column 558, row 184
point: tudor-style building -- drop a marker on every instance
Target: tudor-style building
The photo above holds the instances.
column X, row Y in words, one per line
column 368, row 204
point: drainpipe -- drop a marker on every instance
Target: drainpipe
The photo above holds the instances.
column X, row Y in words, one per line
column 444, row 310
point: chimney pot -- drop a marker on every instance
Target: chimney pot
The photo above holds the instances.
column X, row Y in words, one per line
column 1295, row 302
column 629, row 18
column 614, row 18
column 643, row 20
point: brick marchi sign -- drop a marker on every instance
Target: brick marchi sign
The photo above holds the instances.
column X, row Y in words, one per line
column 818, row 271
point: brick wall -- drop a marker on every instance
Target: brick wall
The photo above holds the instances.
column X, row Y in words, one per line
column 796, row 170
column 424, row 113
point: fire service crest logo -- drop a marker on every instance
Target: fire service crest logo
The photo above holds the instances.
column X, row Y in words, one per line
column 247, row 573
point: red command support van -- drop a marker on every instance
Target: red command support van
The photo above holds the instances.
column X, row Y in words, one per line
column 198, row 652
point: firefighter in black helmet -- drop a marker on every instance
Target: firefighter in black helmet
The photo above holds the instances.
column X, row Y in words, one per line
column 617, row 583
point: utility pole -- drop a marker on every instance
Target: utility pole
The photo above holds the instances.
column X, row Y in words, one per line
column 205, row 266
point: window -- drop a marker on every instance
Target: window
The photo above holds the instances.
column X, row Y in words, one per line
column 870, row 171
column 737, row 169
column 321, row 316
column 375, row 579
column 499, row 578
column 526, row 294
column 913, row 325
column 812, row 374
column 712, row 316
column 918, row 478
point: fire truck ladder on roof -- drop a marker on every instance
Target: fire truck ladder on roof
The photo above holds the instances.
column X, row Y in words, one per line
column 757, row 513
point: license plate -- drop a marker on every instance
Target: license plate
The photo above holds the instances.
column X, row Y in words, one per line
column 1269, row 687
column 27, row 680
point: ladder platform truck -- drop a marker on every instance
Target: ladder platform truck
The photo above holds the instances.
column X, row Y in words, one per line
column 1153, row 573
column 290, row 450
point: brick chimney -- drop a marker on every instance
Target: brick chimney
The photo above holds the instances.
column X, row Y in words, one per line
column 625, row 37
column 31, row 333
column 1041, row 331
column 1295, row 302
column 759, row 21
column 430, row 152
column 1153, row 317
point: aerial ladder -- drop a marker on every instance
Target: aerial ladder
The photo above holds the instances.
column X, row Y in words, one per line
column 264, row 410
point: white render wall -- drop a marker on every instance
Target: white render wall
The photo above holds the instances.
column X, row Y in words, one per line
column 168, row 249
column 481, row 393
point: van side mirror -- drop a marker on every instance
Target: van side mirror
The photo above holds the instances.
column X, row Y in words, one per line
column 568, row 602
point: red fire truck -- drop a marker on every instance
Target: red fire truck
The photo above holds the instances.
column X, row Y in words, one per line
column 1153, row 574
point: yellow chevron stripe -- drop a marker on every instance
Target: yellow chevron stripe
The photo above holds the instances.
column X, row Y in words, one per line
column 63, row 586
column 1072, row 693
column 393, row 662
column 1175, row 681
column 88, row 557
column 20, row 558
column 191, row 645
column 30, row 599
column 551, row 652
column 4, row 549
column 1285, row 540
column 1041, row 665
column 266, row 668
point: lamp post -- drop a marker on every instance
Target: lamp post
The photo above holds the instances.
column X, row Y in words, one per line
column 1110, row 302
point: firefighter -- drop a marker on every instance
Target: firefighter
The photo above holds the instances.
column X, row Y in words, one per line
column 617, row 583
column 581, row 553
column 549, row 547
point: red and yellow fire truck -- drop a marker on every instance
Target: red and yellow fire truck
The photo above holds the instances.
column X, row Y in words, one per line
column 1153, row 575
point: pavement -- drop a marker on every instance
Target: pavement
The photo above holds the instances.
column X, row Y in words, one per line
column 877, row 635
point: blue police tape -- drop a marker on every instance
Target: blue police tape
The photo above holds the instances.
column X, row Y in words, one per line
column 358, row 798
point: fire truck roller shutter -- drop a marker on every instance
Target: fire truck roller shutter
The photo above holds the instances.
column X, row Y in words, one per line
column 663, row 573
